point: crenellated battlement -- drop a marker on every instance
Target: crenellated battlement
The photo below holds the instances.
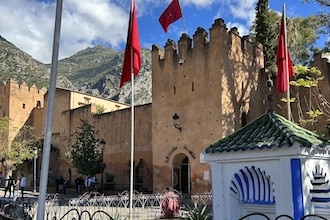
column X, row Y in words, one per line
column 14, row 96
column 13, row 85
column 219, row 37
column 322, row 59
column 211, row 59
column 322, row 62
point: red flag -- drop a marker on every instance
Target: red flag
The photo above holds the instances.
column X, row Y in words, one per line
column 170, row 15
column 283, row 61
column 132, row 58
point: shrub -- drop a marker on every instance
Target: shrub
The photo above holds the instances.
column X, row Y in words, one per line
column 198, row 213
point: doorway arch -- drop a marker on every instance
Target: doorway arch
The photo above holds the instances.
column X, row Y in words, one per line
column 181, row 173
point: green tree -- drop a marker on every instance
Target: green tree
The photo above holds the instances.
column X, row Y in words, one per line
column 321, row 2
column 302, row 34
column 4, row 132
column 265, row 24
column 324, row 18
column 84, row 154
column 308, row 96
column 21, row 149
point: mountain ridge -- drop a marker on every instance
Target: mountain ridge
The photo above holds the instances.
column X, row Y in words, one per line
column 93, row 70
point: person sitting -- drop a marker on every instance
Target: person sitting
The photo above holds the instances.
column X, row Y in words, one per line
column 170, row 205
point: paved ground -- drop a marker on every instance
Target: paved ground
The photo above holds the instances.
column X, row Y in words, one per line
column 34, row 195
column 27, row 193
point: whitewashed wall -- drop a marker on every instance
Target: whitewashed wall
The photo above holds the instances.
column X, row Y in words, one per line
column 277, row 164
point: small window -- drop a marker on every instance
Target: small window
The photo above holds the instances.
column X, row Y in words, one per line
column 23, row 105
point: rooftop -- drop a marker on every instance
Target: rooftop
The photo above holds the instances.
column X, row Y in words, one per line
column 270, row 130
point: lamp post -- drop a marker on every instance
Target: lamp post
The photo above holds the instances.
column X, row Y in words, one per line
column 102, row 145
column 175, row 118
column 35, row 153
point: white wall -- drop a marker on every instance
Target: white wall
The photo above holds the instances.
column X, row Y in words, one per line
column 276, row 164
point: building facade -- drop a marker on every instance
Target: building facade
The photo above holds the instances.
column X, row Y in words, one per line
column 208, row 81
column 203, row 89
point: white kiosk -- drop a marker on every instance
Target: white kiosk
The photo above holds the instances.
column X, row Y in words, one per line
column 270, row 166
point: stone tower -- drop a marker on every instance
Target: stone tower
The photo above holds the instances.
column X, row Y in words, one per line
column 207, row 84
column 22, row 105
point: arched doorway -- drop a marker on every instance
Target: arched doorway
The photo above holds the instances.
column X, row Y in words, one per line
column 181, row 173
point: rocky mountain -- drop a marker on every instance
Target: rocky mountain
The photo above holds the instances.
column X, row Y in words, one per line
column 94, row 71
column 17, row 65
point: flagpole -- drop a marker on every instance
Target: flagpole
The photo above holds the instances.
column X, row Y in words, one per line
column 49, row 116
column 286, row 64
column 131, row 67
column 184, row 20
column 132, row 126
column 132, row 148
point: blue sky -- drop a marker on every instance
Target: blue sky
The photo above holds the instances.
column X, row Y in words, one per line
column 29, row 24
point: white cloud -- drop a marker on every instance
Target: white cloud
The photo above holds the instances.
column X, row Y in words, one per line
column 199, row 3
column 244, row 10
column 183, row 3
column 242, row 29
column 96, row 20
column 27, row 24
column 30, row 25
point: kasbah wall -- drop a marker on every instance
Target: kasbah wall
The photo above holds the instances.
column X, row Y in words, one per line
column 23, row 105
column 210, row 81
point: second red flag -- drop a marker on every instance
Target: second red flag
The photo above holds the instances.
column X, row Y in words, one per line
column 170, row 15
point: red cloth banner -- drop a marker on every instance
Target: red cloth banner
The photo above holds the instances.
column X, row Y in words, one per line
column 283, row 62
column 132, row 58
column 171, row 14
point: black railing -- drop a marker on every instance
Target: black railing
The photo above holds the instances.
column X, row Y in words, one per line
column 76, row 214
column 313, row 216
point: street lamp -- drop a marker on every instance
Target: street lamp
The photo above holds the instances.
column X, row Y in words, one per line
column 175, row 118
column 102, row 145
column 35, row 154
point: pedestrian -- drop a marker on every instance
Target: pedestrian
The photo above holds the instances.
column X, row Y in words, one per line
column 60, row 184
column 16, row 187
column 89, row 183
column 23, row 184
column 9, row 186
column 79, row 184
column 65, row 186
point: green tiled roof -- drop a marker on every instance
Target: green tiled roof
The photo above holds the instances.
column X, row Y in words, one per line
column 270, row 130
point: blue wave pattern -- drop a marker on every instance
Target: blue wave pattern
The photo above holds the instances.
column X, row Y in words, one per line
column 253, row 186
column 321, row 189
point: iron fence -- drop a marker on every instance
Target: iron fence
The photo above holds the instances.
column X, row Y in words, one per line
column 93, row 205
